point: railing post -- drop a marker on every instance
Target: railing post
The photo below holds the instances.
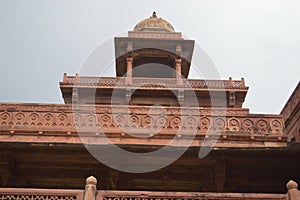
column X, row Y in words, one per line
column 293, row 193
column 230, row 82
column 65, row 78
column 90, row 189
column 243, row 82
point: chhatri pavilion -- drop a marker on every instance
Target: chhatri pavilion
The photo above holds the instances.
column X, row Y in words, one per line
column 66, row 151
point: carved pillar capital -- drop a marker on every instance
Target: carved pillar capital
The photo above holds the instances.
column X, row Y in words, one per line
column 129, row 59
column 178, row 61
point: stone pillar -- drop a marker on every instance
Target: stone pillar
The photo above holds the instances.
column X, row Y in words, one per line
column 293, row 192
column 129, row 60
column 75, row 98
column 90, row 189
column 178, row 71
column 232, row 99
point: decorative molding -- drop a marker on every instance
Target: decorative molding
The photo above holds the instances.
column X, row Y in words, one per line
column 50, row 119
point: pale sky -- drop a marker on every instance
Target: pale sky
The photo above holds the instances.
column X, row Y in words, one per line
column 255, row 39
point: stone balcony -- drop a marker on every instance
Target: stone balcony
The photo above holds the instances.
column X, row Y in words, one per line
column 82, row 81
column 149, row 91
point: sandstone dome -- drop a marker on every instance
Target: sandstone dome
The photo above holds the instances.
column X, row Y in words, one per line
column 154, row 24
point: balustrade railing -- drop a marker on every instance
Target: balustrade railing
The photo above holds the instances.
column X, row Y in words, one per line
column 91, row 193
column 40, row 194
column 153, row 82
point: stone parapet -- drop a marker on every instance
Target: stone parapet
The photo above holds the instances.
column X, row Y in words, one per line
column 82, row 81
column 156, row 126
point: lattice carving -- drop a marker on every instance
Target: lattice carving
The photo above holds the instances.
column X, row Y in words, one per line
column 199, row 196
column 145, row 82
column 36, row 197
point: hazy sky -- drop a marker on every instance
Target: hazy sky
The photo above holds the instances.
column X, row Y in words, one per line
column 255, row 39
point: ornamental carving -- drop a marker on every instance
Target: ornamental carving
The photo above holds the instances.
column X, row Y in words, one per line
column 20, row 119
column 143, row 119
column 190, row 123
column 37, row 197
column 161, row 83
column 276, row 126
column 148, row 122
column 233, row 124
column 105, row 121
column 34, row 119
column 262, row 126
column 48, row 119
column 78, row 120
column 161, row 122
column 204, row 124
column 5, row 118
column 218, row 124
column 248, row 126
column 91, row 120
column 62, row 120
column 175, row 122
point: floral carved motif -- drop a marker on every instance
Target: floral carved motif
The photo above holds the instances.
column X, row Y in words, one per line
column 262, row 126
column 171, row 121
column 233, row 124
column 248, row 126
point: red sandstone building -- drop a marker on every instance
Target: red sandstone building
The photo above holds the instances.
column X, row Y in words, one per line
column 254, row 156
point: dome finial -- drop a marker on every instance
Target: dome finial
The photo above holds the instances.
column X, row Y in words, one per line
column 154, row 24
column 154, row 14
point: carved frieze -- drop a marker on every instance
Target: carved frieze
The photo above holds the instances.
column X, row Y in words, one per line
column 61, row 118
